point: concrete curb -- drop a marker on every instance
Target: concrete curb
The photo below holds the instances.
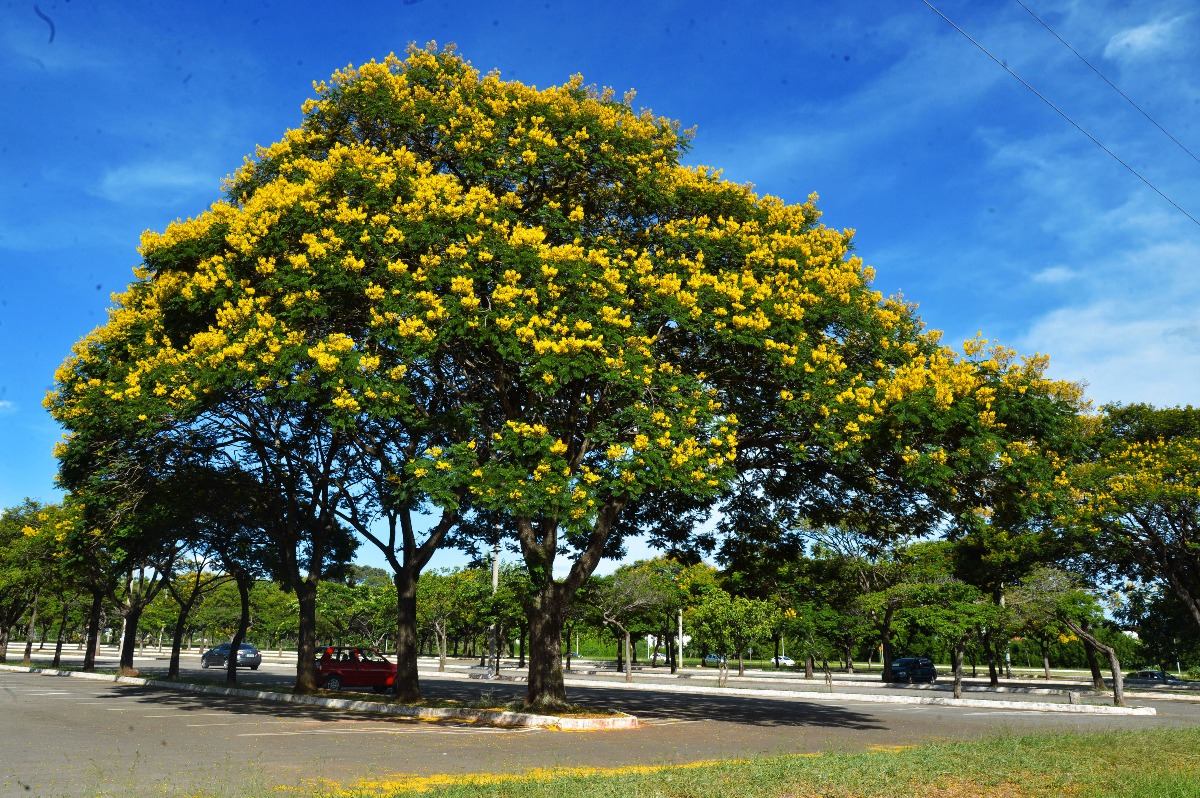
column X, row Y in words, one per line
column 1039, row 706
column 501, row 718
column 940, row 686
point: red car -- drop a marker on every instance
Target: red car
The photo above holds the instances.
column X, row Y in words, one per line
column 341, row 667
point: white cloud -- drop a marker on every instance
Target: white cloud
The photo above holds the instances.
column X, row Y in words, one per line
column 7, row 407
column 155, row 181
column 1144, row 40
column 1124, row 353
column 1055, row 275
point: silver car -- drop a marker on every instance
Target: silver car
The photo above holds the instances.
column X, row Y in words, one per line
column 247, row 657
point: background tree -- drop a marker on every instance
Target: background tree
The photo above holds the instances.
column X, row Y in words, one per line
column 1140, row 491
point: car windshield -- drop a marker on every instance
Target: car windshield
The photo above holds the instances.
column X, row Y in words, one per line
column 246, row 647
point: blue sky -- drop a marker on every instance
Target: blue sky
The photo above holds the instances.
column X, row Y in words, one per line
column 970, row 196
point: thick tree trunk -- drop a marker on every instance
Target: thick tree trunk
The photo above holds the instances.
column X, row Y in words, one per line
column 176, row 646
column 1046, row 661
column 244, row 581
column 545, row 614
column 849, row 658
column 4, row 644
column 93, row 631
column 133, row 616
column 306, row 643
column 741, row 664
column 408, row 687
column 958, row 669
column 809, row 666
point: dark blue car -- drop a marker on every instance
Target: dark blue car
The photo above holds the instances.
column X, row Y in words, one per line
column 913, row 669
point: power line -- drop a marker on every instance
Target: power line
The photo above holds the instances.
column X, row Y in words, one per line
column 1112, row 85
column 1061, row 113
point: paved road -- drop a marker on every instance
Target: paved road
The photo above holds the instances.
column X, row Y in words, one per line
column 74, row 737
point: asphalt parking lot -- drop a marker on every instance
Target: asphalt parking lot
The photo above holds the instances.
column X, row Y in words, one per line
column 75, row 737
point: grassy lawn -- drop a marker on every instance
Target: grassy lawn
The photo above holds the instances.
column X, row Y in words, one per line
column 1142, row 764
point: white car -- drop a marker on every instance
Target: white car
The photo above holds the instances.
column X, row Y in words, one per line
column 783, row 661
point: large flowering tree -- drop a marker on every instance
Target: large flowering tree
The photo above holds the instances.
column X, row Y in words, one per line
column 451, row 293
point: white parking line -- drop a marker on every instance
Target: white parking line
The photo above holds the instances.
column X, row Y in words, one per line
column 199, row 715
column 57, row 692
column 388, row 731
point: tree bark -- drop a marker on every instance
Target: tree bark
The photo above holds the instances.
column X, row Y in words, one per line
column 4, row 631
column 545, row 614
column 133, row 616
column 628, row 658
column 1118, row 683
column 990, row 651
column 93, row 630
column 809, row 666
column 1046, row 660
column 58, row 644
column 408, row 686
column 306, row 643
column 958, row 669
column 244, row 580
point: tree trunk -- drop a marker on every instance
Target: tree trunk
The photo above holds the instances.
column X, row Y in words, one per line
column 1046, row 660
column 741, row 664
column 1094, row 666
column 4, row 644
column 1114, row 664
column 244, row 581
column 133, row 616
column 990, row 651
column 885, row 642
column 546, row 613
column 628, row 658
column 849, row 658
column 93, row 630
column 809, row 666
column 408, row 687
column 306, row 643
column 523, row 632
column 58, row 644
column 958, row 669
column 27, row 659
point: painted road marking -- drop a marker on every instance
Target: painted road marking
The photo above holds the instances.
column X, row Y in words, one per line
column 451, row 732
column 199, row 715
column 57, row 692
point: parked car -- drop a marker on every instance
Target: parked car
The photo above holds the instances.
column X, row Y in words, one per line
column 1159, row 677
column 783, row 661
column 913, row 669
column 344, row 667
column 714, row 660
column 247, row 657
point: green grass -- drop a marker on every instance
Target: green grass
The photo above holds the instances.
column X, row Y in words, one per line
column 1161, row 763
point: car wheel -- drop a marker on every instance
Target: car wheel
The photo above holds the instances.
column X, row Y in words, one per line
column 204, row 663
column 333, row 683
column 253, row 667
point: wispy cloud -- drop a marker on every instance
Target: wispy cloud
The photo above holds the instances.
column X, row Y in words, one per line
column 1055, row 275
column 7, row 407
column 155, row 181
column 1146, row 40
